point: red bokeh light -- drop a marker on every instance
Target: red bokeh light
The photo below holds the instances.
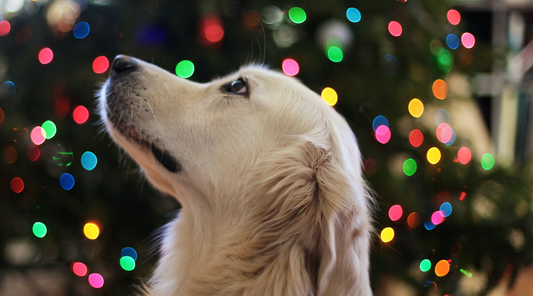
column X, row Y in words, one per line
column 17, row 185
column 100, row 64
column 33, row 152
column 464, row 155
column 454, row 17
column 80, row 114
column 395, row 29
column 5, row 27
column 211, row 31
column 395, row 212
column 45, row 56
column 79, row 268
column 416, row 138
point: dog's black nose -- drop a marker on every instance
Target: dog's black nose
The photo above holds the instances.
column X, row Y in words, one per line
column 122, row 64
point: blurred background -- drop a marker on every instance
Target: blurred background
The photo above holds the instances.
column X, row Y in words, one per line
column 438, row 94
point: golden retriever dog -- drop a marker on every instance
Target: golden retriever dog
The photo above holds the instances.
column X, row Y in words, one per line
column 269, row 178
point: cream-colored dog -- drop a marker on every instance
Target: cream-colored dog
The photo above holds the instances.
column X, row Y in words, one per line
column 268, row 176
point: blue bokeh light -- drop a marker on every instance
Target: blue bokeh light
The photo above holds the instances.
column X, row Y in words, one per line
column 129, row 251
column 81, row 30
column 379, row 121
column 89, row 160
column 452, row 41
column 446, row 209
column 67, row 181
column 353, row 15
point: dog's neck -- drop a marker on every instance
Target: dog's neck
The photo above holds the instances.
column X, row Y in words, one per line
column 220, row 256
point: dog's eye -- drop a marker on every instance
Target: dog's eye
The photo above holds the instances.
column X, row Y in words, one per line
column 238, row 87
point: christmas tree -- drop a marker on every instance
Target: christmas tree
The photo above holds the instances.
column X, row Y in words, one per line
column 78, row 218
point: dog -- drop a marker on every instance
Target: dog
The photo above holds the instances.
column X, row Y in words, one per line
column 269, row 178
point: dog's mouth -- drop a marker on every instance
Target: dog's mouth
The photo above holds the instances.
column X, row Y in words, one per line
column 161, row 155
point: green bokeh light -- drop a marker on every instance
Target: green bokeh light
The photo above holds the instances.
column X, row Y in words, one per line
column 335, row 54
column 297, row 15
column 444, row 60
column 425, row 265
column 50, row 129
column 185, row 69
column 39, row 229
column 487, row 161
column 127, row 263
column 409, row 167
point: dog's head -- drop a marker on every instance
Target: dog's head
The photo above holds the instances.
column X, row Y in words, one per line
column 255, row 140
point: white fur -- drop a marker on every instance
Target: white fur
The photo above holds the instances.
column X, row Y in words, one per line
column 272, row 194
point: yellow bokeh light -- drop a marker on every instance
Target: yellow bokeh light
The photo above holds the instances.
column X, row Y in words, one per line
column 433, row 155
column 416, row 108
column 442, row 268
column 91, row 230
column 387, row 234
column 329, row 95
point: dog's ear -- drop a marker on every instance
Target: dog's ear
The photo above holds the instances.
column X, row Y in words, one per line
column 311, row 199
column 343, row 222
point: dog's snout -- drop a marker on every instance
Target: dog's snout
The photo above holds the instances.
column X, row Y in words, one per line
column 122, row 64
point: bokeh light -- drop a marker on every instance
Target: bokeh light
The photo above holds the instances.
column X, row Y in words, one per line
column 425, row 265
column 100, row 65
column 5, row 27
column 487, row 161
column 444, row 60
column 129, row 251
column 10, row 155
column 440, row 89
column 416, row 108
column 464, row 155
column 89, row 160
column 353, row 15
column 329, row 95
column 45, row 56
column 387, row 234
column 91, row 230
column 335, row 54
column 127, row 263
column 290, row 67
column 49, row 128
column 442, row 268
column 413, row 220
column 8, row 89
column 437, row 218
column 454, row 17
column 452, row 41
column 378, row 121
column 429, row 226
column 433, row 155
column 96, row 280
column 444, row 132
column 38, row 135
column 468, row 40
column 79, row 268
column 81, row 30
column 33, row 152
column 80, row 114
column 395, row 29
column 446, row 209
column 442, row 116
column 185, row 69
column 17, row 185
column 39, row 229
column 251, row 18
column 2, row 115
column 383, row 134
column 409, row 167
column 416, row 138
column 395, row 212
column 211, row 31
column 297, row 15
column 66, row 181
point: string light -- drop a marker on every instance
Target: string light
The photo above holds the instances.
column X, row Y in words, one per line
column 409, row 167
column 454, row 17
column 66, row 181
column 353, row 15
column 96, row 280
column 127, row 263
column 79, row 268
column 17, row 185
column 39, row 229
column 5, row 27
column 416, row 138
column 80, row 114
column 433, row 155
column 425, row 265
column 297, row 15
column 468, row 40
column 383, row 134
column 487, row 161
column 129, row 251
column 45, row 56
column 440, row 89
column 464, row 155
column 378, row 121
column 49, row 128
column 416, row 108
column 446, row 209
column 81, row 30
column 89, row 160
